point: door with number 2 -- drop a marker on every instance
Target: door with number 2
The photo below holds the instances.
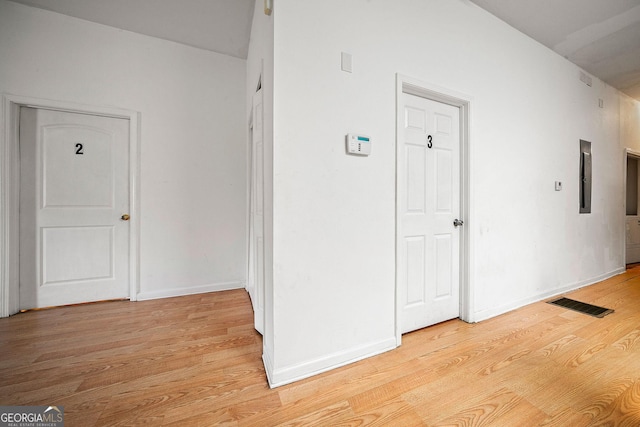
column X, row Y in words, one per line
column 428, row 241
column 74, row 204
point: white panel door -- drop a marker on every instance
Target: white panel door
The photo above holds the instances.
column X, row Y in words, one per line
column 74, row 191
column 256, row 226
column 428, row 241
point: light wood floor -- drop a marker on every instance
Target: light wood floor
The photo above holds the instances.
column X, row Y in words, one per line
column 196, row 361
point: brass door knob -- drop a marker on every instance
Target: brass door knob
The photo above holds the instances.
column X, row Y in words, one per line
column 125, row 217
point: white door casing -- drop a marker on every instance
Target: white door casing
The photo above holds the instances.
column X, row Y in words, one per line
column 250, row 286
column 10, row 190
column 632, row 221
column 74, row 243
column 429, row 201
column 256, row 223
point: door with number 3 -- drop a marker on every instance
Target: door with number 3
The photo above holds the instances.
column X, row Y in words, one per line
column 74, row 204
column 428, row 228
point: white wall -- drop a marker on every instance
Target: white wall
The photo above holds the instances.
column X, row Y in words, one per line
column 193, row 154
column 334, row 223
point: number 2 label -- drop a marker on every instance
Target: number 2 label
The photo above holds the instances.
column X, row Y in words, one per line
column 79, row 148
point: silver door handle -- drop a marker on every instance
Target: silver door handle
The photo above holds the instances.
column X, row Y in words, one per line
column 457, row 222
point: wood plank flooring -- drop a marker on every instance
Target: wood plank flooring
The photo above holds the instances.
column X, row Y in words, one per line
column 196, row 361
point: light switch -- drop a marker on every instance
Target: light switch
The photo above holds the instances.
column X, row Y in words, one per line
column 346, row 62
column 558, row 185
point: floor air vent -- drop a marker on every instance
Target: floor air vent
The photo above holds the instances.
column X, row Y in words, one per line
column 591, row 310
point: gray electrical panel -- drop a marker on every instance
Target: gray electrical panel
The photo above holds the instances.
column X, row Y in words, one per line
column 585, row 176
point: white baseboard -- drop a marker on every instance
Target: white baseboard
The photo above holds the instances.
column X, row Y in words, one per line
column 496, row 311
column 286, row 375
column 268, row 365
column 177, row 292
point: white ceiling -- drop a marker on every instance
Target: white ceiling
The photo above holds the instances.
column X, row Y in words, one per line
column 601, row 36
column 222, row 26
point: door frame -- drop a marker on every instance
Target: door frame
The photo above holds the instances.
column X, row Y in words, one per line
column 249, row 285
column 250, row 159
column 10, row 191
column 627, row 152
column 409, row 85
column 256, row 293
